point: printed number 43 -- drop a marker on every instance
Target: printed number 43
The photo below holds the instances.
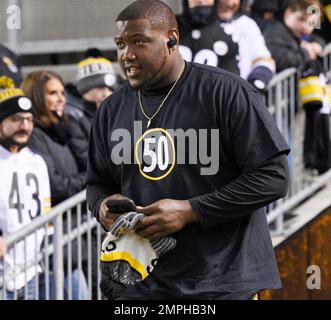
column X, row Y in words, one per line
column 15, row 201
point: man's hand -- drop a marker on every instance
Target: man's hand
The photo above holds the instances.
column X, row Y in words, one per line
column 313, row 49
column 3, row 247
column 318, row 49
column 165, row 217
column 106, row 217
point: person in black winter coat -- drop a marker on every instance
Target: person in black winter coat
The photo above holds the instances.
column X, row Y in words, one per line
column 292, row 44
column 80, row 115
column 284, row 39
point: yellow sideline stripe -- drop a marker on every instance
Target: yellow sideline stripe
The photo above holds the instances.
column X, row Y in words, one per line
column 120, row 255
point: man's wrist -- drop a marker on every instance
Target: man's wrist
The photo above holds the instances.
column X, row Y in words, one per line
column 190, row 216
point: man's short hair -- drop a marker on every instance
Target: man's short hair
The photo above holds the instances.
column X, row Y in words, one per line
column 156, row 12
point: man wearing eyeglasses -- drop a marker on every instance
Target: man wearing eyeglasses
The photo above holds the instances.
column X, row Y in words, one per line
column 24, row 194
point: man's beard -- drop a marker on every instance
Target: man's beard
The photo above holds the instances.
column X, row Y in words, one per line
column 149, row 83
column 9, row 142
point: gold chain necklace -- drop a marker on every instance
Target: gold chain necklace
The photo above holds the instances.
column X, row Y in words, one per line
column 162, row 103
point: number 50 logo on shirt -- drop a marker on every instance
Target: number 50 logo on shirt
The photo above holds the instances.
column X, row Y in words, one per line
column 155, row 154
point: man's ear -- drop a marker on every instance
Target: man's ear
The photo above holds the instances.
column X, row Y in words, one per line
column 173, row 39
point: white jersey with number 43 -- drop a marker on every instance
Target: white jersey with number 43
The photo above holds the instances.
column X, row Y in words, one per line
column 24, row 195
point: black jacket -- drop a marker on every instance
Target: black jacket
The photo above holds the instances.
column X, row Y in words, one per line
column 65, row 178
column 76, row 106
column 78, row 141
column 80, row 114
column 285, row 47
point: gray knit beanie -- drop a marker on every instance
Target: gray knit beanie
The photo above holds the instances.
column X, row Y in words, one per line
column 94, row 73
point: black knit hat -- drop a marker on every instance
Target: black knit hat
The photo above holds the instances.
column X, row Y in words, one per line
column 12, row 100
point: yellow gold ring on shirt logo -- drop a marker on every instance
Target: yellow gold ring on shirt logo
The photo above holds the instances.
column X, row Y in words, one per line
column 172, row 144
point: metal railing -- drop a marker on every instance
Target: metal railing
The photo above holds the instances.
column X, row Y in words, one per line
column 53, row 261
column 283, row 104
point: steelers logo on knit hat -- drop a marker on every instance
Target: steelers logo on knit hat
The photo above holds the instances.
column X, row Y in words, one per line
column 13, row 100
column 110, row 79
column 24, row 103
